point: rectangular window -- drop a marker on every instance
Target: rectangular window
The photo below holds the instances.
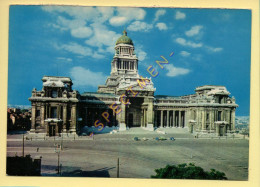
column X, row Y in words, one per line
column 219, row 115
column 38, row 113
column 53, row 112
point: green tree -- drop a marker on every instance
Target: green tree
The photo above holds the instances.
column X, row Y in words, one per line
column 190, row 171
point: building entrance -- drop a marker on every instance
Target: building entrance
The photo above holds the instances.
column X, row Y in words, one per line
column 130, row 120
column 134, row 112
column 52, row 130
column 221, row 130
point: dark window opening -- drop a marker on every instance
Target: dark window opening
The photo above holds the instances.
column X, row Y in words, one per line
column 53, row 112
column 61, row 112
column 54, row 93
column 219, row 115
column 38, row 113
column 69, row 114
column 207, row 116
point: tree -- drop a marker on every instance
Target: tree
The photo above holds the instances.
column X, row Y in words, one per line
column 190, row 171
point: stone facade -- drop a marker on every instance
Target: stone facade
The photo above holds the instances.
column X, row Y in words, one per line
column 59, row 109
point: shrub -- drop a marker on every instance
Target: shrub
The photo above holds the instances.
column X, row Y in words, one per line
column 190, row 171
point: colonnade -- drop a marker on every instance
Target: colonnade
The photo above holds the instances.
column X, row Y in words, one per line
column 170, row 118
column 127, row 65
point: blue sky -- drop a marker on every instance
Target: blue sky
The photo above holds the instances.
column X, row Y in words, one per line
column 211, row 46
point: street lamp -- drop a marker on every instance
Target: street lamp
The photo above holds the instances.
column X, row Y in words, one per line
column 57, row 150
column 23, row 145
column 61, row 145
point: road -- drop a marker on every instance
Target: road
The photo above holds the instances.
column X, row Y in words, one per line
column 138, row 159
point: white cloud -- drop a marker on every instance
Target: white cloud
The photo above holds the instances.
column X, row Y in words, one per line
column 85, row 77
column 141, row 54
column 118, row 20
column 180, row 15
column 102, row 36
column 183, row 42
column 77, row 12
column 161, row 26
column 64, row 60
column 140, row 26
column 197, row 57
column 175, row 71
column 81, row 32
column 106, row 12
column 222, row 17
column 159, row 13
column 98, row 14
column 88, row 22
column 76, row 49
column 213, row 49
column 132, row 13
column 195, row 30
column 98, row 55
column 76, row 27
column 124, row 15
column 70, row 24
column 184, row 53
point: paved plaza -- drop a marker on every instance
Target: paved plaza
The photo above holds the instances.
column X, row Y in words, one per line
column 88, row 157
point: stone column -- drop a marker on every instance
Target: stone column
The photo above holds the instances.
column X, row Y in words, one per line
column 222, row 115
column 170, row 123
column 122, row 124
column 73, row 119
column 161, row 125
column 150, row 115
column 228, row 119
column 184, row 120
column 42, row 114
column 173, row 119
column 210, row 120
column 198, row 116
column 203, row 121
column 32, row 130
column 145, row 118
column 64, row 118
column 232, row 119
column 155, row 118
column 179, row 119
column 217, row 129
column 142, row 117
column 186, row 117
column 167, row 119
